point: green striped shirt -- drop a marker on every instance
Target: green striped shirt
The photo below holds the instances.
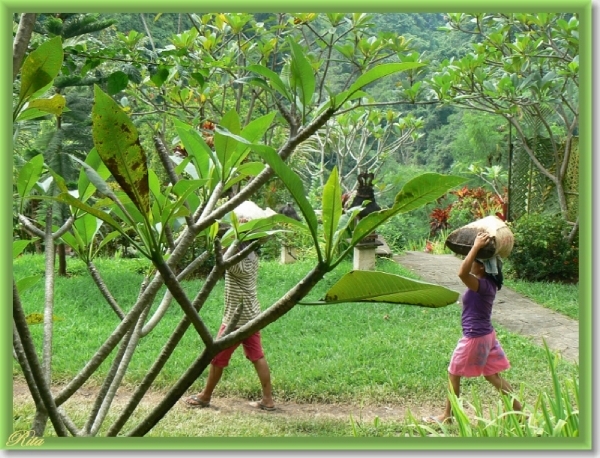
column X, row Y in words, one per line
column 240, row 288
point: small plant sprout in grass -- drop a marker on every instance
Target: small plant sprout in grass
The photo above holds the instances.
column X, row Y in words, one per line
column 560, row 413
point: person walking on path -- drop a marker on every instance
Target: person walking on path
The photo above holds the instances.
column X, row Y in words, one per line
column 478, row 352
column 240, row 287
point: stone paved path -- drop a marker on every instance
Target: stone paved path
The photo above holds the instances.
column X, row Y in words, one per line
column 511, row 310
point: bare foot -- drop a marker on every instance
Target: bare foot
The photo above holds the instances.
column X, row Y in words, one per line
column 437, row 419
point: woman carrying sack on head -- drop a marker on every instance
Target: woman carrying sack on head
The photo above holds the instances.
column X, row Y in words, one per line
column 478, row 352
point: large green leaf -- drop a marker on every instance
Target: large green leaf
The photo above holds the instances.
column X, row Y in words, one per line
column 253, row 133
column 29, row 175
column 127, row 211
column 41, row 67
column 83, row 232
column 19, row 246
column 60, row 182
column 260, row 227
column 30, row 113
column 293, row 183
column 183, row 189
column 332, row 210
column 117, row 142
column 425, row 188
column 258, row 127
column 243, row 144
column 160, row 77
column 107, row 239
column 254, row 81
column 225, row 145
column 42, row 107
column 24, row 284
column 273, row 77
column 221, row 130
column 197, row 148
column 302, row 73
column 156, row 191
column 87, row 227
column 264, row 224
column 366, row 78
column 70, row 200
column 76, row 243
column 342, row 231
column 339, row 99
column 244, row 171
column 117, row 82
column 373, row 286
column 381, row 71
column 417, row 192
column 184, row 165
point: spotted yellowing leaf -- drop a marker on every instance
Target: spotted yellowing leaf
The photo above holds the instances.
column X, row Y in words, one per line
column 117, row 142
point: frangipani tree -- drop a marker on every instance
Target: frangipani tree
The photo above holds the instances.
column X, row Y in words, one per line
column 525, row 68
column 162, row 220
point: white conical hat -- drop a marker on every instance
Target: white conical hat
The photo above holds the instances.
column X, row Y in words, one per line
column 248, row 210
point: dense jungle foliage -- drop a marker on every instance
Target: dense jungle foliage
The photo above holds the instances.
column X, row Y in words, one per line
column 406, row 132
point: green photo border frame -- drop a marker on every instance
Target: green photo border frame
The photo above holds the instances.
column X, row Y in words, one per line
column 584, row 442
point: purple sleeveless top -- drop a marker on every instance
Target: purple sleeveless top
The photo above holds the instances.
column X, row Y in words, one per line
column 477, row 309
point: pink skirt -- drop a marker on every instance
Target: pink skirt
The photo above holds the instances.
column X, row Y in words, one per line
column 476, row 356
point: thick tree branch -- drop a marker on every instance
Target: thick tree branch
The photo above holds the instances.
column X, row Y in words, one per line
column 167, row 350
column 21, row 41
column 166, row 301
column 277, row 310
column 179, row 294
column 573, row 232
column 49, row 299
column 36, row 369
column 26, row 368
column 104, row 290
column 102, row 394
column 29, row 227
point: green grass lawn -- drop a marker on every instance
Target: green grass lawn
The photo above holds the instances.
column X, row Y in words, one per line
column 369, row 353
column 560, row 297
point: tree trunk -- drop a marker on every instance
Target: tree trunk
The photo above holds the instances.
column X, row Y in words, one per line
column 562, row 200
column 21, row 41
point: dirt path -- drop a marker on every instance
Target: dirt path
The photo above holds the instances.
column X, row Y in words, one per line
column 511, row 310
column 84, row 398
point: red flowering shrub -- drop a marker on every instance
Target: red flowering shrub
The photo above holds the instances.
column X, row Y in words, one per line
column 439, row 220
column 470, row 204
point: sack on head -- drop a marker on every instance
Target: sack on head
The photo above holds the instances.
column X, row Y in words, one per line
column 461, row 240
